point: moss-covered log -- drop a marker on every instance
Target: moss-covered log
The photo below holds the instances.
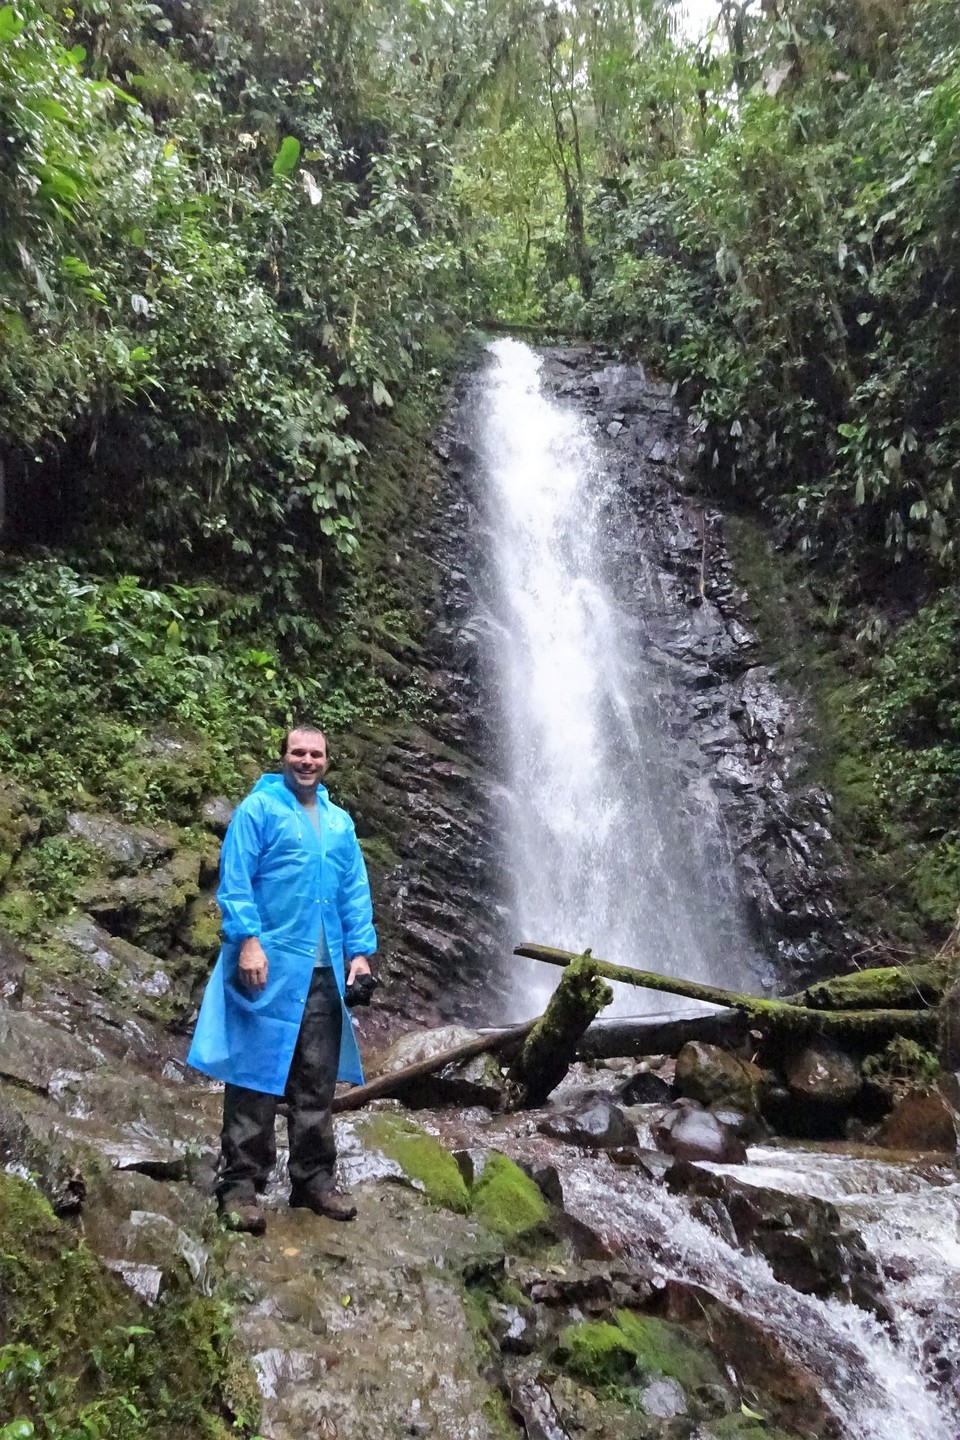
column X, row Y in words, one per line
column 779, row 1018
column 889, row 987
column 551, row 1046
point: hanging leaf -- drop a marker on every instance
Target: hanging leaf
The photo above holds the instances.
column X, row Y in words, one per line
column 381, row 395
column 287, row 156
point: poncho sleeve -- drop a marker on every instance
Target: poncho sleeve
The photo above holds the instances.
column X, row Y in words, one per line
column 356, row 906
column 239, row 859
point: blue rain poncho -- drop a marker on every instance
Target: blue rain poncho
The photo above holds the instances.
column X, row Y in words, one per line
column 282, row 883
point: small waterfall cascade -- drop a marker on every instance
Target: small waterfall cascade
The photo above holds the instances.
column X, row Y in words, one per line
column 604, row 845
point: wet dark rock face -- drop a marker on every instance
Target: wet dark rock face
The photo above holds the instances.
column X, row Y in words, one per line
column 728, row 723
column 730, row 729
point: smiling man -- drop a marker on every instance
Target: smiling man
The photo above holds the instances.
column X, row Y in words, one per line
column 297, row 928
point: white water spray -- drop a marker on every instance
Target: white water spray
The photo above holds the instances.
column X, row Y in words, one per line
column 605, row 847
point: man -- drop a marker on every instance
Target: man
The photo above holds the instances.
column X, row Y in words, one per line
column 295, row 902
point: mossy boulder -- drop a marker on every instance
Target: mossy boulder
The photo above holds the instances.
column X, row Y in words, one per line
column 421, row 1157
column 506, row 1200
column 714, row 1077
column 632, row 1349
column 146, row 909
column 742, row 1427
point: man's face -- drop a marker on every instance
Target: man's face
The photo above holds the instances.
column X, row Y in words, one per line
column 305, row 760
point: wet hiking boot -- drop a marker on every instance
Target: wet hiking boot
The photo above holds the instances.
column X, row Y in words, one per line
column 243, row 1217
column 324, row 1202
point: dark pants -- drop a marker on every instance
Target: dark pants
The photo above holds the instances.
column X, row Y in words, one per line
column 248, row 1147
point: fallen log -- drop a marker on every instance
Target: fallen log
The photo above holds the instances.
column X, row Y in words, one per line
column 388, row 1086
column 615, row 1038
column 886, row 987
column 863, row 1027
column 551, row 1046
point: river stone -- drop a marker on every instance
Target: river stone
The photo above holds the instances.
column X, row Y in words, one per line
column 803, row 1238
column 664, row 1399
column 418, row 1046
column 823, row 1073
column 217, row 814
column 594, row 1123
column 125, row 848
column 644, row 1088
column 922, row 1120
column 692, row 1134
column 532, row 1401
column 715, row 1077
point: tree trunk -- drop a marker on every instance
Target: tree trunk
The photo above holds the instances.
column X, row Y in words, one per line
column 551, row 1046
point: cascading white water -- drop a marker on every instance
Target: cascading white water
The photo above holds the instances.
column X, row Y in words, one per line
column 603, row 848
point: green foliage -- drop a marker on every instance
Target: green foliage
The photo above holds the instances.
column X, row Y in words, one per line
column 95, row 672
column 159, row 1373
column 902, row 1066
column 200, row 307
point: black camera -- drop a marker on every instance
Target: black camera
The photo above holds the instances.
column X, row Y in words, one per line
column 360, row 992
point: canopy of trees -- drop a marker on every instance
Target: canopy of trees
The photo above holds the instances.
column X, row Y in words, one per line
column 234, row 233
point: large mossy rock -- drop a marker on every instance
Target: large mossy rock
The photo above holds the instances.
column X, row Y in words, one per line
column 632, row 1348
column 714, row 1077
column 147, row 908
column 85, row 1357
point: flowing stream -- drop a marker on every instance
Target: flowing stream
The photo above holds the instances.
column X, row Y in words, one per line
column 605, row 846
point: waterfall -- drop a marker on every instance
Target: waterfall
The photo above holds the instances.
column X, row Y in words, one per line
column 605, row 845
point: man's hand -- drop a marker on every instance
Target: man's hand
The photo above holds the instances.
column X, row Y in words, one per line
column 253, row 964
column 359, row 965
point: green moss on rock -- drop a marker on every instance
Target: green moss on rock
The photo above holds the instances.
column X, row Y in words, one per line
column 633, row 1349
column 743, row 1427
column 421, row 1157
column 507, row 1201
column 80, row 1355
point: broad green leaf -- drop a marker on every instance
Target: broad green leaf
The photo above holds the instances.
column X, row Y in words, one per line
column 287, row 156
column 381, row 395
column 10, row 27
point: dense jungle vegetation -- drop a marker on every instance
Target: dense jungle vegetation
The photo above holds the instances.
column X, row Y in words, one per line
column 239, row 244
